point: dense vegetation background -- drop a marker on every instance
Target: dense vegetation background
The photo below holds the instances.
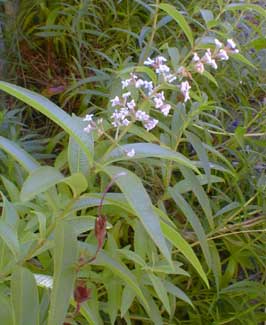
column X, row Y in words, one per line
column 180, row 236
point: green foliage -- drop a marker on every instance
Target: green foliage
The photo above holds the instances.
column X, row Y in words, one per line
column 121, row 225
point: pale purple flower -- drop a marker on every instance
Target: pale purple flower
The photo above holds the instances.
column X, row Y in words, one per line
column 162, row 69
column 150, row 124
column 131, row 105
column 139, row 83
column 160, row 60
column 125, row 122
column 170, row 78
column 218, row 44
column 222, row 55
column 119, row 117
column 115, row 101
column 149, row 61
column 207, row 58
column 149, row 86
column 141, row 116
column 88, row 128
column 231, row 44
column 159, row 99
column 126, row 95
column 184, row 88
column 126, row 83
column 165, row 109
column 196, row 57
column 88, row 118
column 199, row 67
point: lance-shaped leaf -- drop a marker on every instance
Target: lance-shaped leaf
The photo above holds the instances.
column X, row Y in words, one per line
column 24, row 297
column 65, row 257
column 72, row 125
column 145, row 150
column 141, row 204
column 179, row 18
column 194, row 221
column 20, row 155
column 40, row 180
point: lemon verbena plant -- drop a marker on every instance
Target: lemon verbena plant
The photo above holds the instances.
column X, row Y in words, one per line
column 123, row 226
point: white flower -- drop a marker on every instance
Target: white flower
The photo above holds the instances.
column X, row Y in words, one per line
column 149, row 86
column 165, row 109
column 199, row 67
column 231, row 44
column 149, row 61
column 131, row 153
column 119, row 117
column 207, row 58
column 131, row 104
column 115, row 101
column 88, row 128
column 126, row 95
column 184, row 88
column 213, row 64
column 170, row 78
column 218, row 43
column 88, row 118
column 125, row 122
column 162, row 69
column 160, row 59
column 141, row 116
column 196, row 57
column 125, row 83
column 222, row 55
column 159, row 99
column 150, row 124
column 139, row 83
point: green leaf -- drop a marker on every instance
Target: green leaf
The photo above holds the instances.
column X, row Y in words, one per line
column 65, row 258
column 172, row 289
column 199, row 193
column 140, row 202
column 194, row 221
column 179, row 242
column 160, row 290
column 201, row 152
column 242, row 59
column 179, row 18
column 144, row 150
column 77, row 182
column 132, row 256
column 11, row 188
column 154, row 312
column 120, row 270
column 39, row 181
column 207, row 15
column 246, row 6
column 77, row 160
column 70, row 124
column 19, row 155
column 24, row 297
column 210, row 77
column 128, row 296
column 9, row 236
column 6, row 317
column 114, row 292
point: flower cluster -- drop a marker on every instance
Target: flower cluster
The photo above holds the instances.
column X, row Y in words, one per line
column 126, row 110
column 161, row 68
column 221, row 53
